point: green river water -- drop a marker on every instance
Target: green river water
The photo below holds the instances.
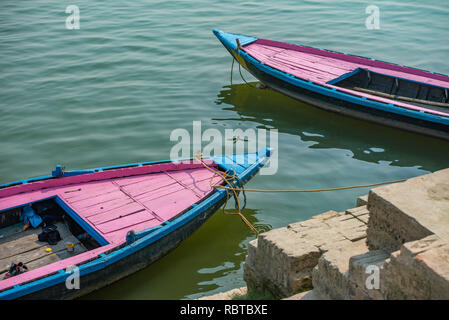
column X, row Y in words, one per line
column 112, row 91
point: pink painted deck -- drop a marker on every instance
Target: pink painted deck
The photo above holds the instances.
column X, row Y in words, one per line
column 113, row 204
column 321, row 66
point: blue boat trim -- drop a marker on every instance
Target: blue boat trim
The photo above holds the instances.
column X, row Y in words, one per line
column 59, row 172
column 81, row 222
column 344, row 76
column 145, row 237
column 230, row 39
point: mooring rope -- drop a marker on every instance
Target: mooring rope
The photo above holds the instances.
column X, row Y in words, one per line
column 240, row 71
column 232, row 68
column 315, row 190
column 232, row 190
column 241, row 75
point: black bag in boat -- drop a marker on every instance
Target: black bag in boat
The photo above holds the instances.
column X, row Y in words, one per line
column 49, row 234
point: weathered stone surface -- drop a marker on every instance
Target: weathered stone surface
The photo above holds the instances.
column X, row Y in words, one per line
column 327, row 215
column 252, row 252
column 364, row 218
column 419, row 270
column 362, row 201
column 254, row 280
column 349, row 226
column 360, row 213
column 281, row 260
column 321, row 236
column 227, row 295
column 330, row 276
column 405, row 225
column 409, row 211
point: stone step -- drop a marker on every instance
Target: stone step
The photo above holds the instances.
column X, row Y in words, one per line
column 362, row 201
column 409, row 211
column 405, row 225
column 419, row 270
column 360, row 212
column 330, row 277
column 282, row 260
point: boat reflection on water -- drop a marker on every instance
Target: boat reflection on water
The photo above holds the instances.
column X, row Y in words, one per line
column 367, row 141
column 209, row 259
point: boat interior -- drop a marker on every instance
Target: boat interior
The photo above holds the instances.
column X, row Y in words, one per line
column 19, row 245
column 351, row 73
column 416, row 93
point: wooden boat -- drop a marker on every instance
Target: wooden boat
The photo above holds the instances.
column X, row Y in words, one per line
column 377, row 91
column 118, row 220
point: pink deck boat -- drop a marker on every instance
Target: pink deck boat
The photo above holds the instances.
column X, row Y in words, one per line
column 364, row 88
column 117, row 219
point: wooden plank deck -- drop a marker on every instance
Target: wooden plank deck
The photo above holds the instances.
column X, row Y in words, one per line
column 138, row 201
column 24, row 246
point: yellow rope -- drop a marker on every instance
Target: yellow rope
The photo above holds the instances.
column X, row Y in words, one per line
column 313, row 190
column 228, row 178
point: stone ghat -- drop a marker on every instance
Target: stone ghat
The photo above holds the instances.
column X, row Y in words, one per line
column 285, row 261
column 393, row 245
